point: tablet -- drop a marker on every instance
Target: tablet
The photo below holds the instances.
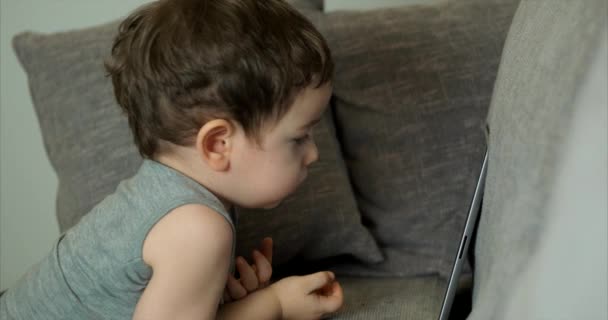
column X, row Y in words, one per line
column 465, row 240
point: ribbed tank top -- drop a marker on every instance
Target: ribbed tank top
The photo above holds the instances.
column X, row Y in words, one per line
column 95, row 270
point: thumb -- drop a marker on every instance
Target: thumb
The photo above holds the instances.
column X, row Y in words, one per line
column 318, row 280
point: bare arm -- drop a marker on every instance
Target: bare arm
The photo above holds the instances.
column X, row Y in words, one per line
column 261, row 304
column 311, row 296
column 189, row 251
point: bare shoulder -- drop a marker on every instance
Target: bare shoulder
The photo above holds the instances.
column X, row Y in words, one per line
column 192, row 229
column 189, row 251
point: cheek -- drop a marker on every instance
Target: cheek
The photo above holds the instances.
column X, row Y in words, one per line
column 279, row 174
column 268, row 177
column 282, row 167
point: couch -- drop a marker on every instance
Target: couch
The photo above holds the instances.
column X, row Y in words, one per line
column 419, row 91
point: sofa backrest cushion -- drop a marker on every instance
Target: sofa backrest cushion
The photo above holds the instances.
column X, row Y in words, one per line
column 546, row 55
column 412, row 89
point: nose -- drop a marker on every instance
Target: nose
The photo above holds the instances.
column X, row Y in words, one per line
column 312, row 155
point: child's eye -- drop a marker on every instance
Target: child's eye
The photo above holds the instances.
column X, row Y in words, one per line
column 302, row 140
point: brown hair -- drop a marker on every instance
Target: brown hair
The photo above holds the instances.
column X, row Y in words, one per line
column 176, row 64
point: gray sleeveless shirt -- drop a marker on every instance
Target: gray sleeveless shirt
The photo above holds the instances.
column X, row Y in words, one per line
column 96, row 270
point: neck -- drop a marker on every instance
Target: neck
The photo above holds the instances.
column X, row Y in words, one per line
column 192, row 168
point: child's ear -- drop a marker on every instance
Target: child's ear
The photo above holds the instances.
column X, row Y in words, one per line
column 214, row 143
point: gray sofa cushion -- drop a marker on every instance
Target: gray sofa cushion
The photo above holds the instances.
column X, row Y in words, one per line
column 546, row 55
column 567, row 277
column 91, row 149
column 412, row 88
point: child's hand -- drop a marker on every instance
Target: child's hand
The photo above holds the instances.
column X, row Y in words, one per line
column 308, row 297
column 252, row 277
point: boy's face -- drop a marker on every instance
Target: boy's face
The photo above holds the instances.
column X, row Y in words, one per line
column 273, row 170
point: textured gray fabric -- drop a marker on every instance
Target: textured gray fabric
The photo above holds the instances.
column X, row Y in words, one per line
column 96, row 269
column 85, row 135
column 412, row 88
column 91, row 149
column 546, row 53
column 391, row 298
column 567, row 278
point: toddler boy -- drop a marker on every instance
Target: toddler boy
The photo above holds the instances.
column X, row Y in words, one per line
column 221, row 97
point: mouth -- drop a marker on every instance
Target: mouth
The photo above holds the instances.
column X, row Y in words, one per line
column 304, row 176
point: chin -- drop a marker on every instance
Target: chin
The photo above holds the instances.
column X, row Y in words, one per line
column 261, row 205
column 273, row 205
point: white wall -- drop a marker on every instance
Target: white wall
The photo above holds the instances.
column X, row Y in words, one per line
column 27, row 182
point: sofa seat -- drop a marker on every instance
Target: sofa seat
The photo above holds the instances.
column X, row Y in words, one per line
column 391, row 298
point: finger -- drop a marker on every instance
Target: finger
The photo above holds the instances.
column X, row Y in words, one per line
column 318, row 280
column 266, row 248
column 262, row 267
column 235, row 288
column 326, row 290
column 332, row 298
column 248, row 277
